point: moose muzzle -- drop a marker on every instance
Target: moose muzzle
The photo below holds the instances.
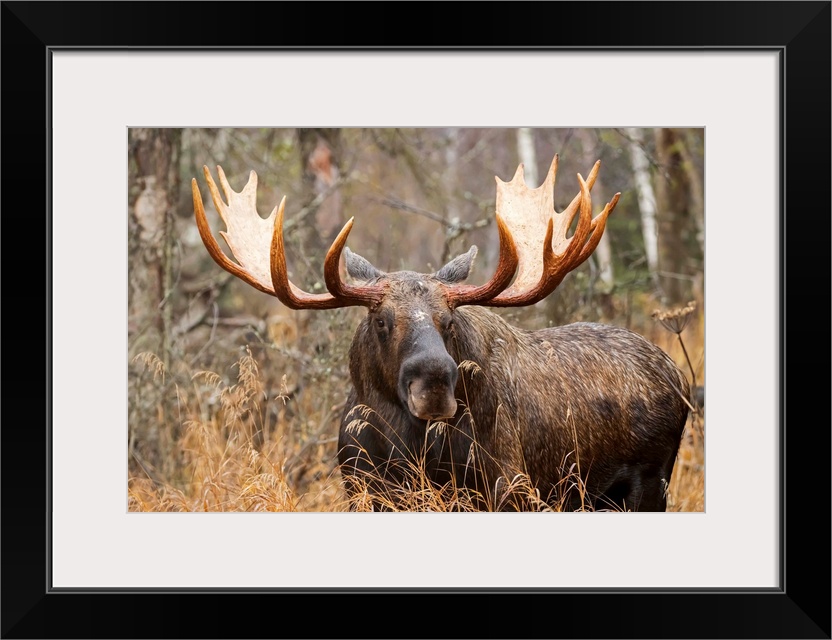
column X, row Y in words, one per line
column 426, row 385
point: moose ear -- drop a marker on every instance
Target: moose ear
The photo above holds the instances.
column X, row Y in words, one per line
column 360, row 268
column 457, row 269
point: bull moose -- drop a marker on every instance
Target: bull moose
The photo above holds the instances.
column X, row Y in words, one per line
column 443, row 385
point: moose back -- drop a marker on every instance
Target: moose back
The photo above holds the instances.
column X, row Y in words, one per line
column 448, row 394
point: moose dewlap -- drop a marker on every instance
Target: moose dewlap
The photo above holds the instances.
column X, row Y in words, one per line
column 446, row 392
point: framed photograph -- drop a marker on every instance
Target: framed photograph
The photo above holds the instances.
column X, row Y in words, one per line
column 246, row 394
column 191, row 431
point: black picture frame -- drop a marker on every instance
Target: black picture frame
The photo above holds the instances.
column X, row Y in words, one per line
column 800, row 608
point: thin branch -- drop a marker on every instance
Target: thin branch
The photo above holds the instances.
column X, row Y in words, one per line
column 478, row 148
column 316, row 202
column 677, row 276
column 401, row 205
column 210, row 340
column 642, row 145
column 453, row 227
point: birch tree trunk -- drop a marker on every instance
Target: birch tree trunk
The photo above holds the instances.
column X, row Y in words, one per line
column 528, row 156
column 646, row 201
column 603, row 252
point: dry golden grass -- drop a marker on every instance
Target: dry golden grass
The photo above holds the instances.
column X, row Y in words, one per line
column 224, row 465
column 681, row 333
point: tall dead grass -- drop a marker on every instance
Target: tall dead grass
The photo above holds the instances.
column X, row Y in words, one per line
column 228, row 456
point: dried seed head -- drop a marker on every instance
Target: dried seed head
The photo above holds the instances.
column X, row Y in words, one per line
column 439, row 426
column 356, row 426
column 469, row 366
column 675, row 320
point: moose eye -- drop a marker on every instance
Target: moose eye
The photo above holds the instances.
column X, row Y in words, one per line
column 383, row 322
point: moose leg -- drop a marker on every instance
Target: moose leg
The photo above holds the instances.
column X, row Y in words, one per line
column 647, row 494
column 647, row 491
column 636, row 488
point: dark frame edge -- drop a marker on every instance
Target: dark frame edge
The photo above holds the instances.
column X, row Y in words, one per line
column 798, row 610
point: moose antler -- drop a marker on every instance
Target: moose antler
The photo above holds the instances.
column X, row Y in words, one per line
column 530, row 215
column 257, row 245
column 523, row 216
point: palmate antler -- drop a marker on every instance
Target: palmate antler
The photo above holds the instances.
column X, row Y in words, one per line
column 523, row 216
column 257, row 244
column 530, row 215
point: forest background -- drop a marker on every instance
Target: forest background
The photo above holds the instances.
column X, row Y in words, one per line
column 234, row 399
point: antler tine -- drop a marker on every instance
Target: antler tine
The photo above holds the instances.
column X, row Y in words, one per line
column 575, row 249
column 599, row 224
column 530, row 215
column 339, row 296
column 257, row 245
column 458, row 295
column 366, row 295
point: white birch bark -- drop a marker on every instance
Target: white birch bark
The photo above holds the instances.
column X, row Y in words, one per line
column 526, row 152
column 646, row 200
column 603, row 252
column 603, row 255
column 452, row 174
